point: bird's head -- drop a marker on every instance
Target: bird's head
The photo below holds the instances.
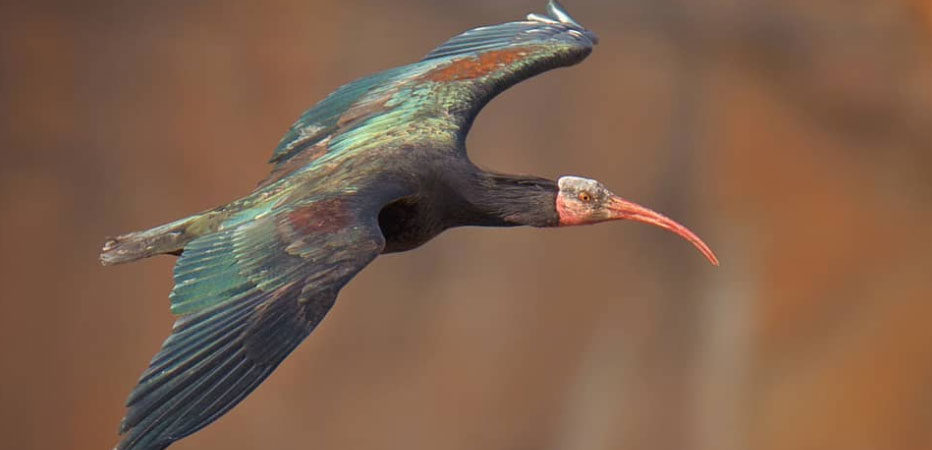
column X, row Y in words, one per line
column 582, row 201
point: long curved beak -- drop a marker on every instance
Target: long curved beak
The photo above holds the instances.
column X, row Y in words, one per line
column 621, row 209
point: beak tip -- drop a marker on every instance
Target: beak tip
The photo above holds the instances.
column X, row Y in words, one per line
column 707, row 252
column 624, row 209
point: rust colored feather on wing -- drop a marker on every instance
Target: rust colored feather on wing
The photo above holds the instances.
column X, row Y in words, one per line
column 477, row 66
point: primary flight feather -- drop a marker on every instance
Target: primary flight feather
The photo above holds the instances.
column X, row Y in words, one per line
column 378, row 166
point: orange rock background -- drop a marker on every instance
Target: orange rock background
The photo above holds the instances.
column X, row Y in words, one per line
column 794, row 137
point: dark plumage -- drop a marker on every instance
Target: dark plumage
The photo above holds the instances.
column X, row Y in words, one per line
column 378, row 166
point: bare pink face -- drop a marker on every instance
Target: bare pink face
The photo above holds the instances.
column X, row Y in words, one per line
column 582, row 201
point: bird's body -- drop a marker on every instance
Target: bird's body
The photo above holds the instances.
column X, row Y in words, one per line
column 378, row 166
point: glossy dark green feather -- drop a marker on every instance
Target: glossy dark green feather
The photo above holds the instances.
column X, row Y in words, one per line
column 321, row 120
column 407, row 102
column 247, row 295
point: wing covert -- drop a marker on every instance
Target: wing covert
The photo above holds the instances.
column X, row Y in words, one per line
column 436, row 99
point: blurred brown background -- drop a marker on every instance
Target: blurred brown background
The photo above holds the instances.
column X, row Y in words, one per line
column 794, row 136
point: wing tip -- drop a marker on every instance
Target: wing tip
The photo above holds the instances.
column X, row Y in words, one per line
column 558, row 11
column 557, row 14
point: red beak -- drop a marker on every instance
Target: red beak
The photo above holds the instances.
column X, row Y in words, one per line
column 620, row 208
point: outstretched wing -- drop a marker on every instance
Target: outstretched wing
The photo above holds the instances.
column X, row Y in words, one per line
column 437, row 98
column 246, row 295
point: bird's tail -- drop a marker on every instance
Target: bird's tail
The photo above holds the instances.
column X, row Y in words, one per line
column 165, row 239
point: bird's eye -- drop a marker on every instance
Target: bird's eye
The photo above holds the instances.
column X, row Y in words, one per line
column 585, row 197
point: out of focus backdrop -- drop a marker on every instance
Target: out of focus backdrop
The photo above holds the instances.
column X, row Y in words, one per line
column 795, row 137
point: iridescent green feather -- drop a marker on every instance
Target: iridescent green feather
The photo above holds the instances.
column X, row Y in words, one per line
column 404, row 106
column 247, row 295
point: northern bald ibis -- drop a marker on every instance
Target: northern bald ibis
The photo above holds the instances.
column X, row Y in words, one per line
column 378, row 166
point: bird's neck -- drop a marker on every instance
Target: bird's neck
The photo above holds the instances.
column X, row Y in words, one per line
column 512, row 200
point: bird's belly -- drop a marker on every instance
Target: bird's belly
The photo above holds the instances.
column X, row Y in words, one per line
column 409, row 223
column 407, row 241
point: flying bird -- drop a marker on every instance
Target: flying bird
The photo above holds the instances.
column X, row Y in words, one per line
column 378, row 166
